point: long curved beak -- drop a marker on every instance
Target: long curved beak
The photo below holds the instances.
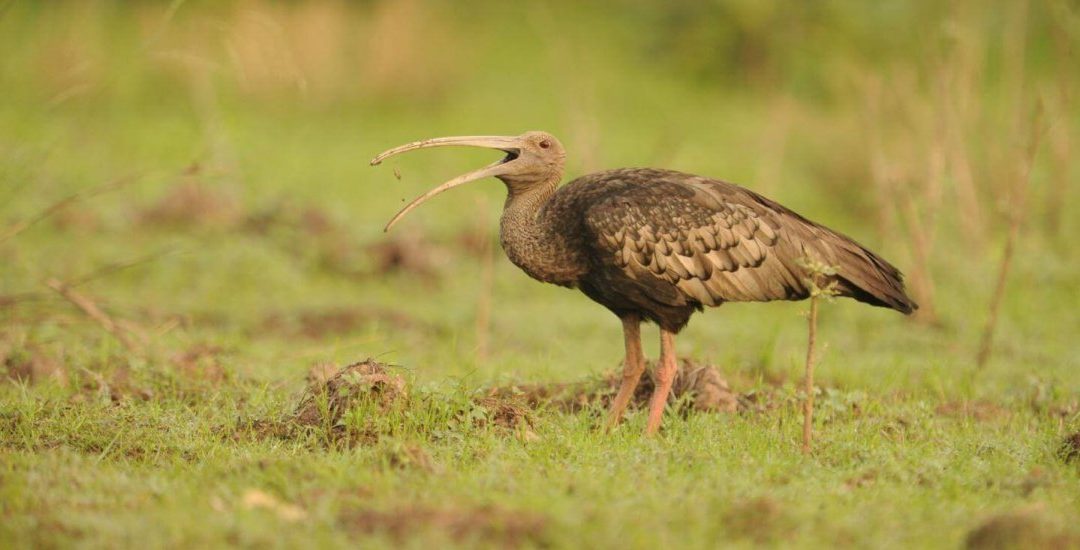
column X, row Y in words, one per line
column 509, row 144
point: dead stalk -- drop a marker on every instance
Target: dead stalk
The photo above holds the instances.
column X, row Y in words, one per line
column 808, row 404
column 1017, row 214
column 94, row 312
column 23, row 225
column 61, row 204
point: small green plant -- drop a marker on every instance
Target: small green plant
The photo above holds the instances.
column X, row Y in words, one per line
column 820, row 278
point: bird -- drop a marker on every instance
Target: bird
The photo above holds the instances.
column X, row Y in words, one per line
column 656, row 245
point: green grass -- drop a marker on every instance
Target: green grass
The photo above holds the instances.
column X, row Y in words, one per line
column 106, row 447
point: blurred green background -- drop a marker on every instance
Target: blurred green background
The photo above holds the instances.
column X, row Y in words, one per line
column 229, row 124
column 200, row 171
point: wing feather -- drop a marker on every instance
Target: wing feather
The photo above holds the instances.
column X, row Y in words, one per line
column 715, row 242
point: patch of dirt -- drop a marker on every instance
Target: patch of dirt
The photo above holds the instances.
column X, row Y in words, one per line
column 310, row 220
column 486, row 524
column 983, row 411
column 326, row 402
column 475, row 241
column 110, row 381
column 1070, row 448
column 323, row 323
column 502, row 412
column 201, row 363
column 1026, row 528
column 191, row 203
column 864, row 479
column 79, row 218
column 507, row 413
column 31, row 364
column 760, row 520
column 407, row 252
column 330, row 393
column 708, row 390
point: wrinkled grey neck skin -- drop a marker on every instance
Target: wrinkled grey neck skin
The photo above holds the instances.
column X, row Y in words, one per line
column 533, row 237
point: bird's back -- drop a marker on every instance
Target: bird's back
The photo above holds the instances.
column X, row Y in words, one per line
column 666, row 239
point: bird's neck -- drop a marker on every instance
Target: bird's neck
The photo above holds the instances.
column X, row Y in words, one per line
column 535, row 240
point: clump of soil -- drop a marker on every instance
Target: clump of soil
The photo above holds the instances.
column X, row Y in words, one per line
column 508, row 413
column 487, row 524
column 1070, row 448
column 709, row 392
column 1026, row 528
column 327, row 401
column 502, row 412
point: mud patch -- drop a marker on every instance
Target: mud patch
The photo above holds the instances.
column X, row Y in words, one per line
column 1027, row 528
column 31, row 364
column 191, row 203
column 201, row 364
column 82, row 220
column 485, row 524
column 760, row 520
column 318, row 324
column 409, row 253
column 309, row 220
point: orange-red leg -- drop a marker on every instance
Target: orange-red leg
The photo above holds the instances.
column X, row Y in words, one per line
column 632, row 369
column 665, row 375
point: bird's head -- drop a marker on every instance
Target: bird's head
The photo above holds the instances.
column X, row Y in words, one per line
column 532, row 160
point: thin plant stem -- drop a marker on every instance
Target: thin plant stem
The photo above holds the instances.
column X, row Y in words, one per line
column 1016, row 219
column 808, row 403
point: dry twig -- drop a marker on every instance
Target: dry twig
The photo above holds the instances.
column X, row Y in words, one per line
column 94, row 312
column 1016, row 218
column 59, row 205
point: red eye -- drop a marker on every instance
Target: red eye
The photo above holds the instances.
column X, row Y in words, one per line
column 545, row 144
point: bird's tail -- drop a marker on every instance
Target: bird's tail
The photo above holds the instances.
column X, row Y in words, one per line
column 870, row 279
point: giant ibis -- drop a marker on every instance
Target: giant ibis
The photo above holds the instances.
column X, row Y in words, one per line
column 658, row 245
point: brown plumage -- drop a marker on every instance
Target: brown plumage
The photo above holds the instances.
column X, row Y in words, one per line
column 659, row 245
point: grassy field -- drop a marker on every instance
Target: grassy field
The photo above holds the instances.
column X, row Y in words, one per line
column 198, row 174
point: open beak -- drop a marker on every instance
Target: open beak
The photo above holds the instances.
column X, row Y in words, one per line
column 510, row 145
